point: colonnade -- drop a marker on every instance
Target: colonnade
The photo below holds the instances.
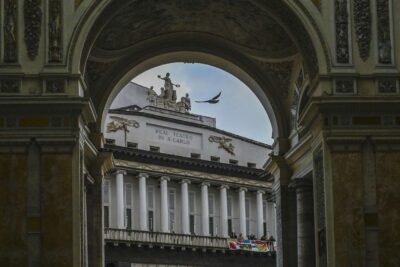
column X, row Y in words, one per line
column 205, row 213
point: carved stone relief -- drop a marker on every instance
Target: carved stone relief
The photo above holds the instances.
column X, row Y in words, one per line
column 342, row 31
column 224, row 143
column 362, row 19
column 9, row 86
column 387, row 86
column 384, row 34
column 33, row 21
column 10, row 31
column 55, row 31
column 344, row 86
column 55, row 86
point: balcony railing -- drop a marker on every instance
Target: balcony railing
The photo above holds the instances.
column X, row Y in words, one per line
column 146, row 237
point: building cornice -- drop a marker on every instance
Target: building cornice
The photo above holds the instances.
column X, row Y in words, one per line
column 168, row 160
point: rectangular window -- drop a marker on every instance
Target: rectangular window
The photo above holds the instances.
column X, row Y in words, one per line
column 247, row 203
column 150, row 207
column 106, row 192
column 211, row 213
column 251, row 165
column 132, row 145
column 230, row 228
column 194, row 155
column 192, row 211
column 154, row 149
column 213, row 158
column 229, row 209
column 171, row 207
column 128, row 218
column 265, row 218
column 107, row 202
column 106, row 216
column 110, row 141
column 128, row 205
column 233, row 161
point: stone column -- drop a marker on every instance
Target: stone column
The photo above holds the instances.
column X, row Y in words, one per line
column 119, row 195
column 224, row 210
column 242, row 211
column 260, row 213
column 185, row 206
column 164, row 203
column 305, row 222
column 143, row 201
column 205, row 227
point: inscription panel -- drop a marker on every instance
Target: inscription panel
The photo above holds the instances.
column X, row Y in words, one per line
column 173, row 136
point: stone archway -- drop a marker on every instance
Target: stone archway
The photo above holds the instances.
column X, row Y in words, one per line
column 263, row 50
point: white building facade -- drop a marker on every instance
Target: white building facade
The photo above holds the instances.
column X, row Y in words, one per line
column 176, row 173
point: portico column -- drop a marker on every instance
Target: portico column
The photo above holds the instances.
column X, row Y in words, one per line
column 119, row 189
column 205, row 227
column 185, row 206
column 242, row 211
column 143, row 201
column 305, row 222
column 260, row 213
column 224, row 210
column 271, row 218
column 164, row 203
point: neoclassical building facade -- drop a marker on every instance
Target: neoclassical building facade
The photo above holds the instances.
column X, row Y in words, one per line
column 326, row 72
column 179, row 183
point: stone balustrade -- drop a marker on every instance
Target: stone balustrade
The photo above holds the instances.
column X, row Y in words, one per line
column 158, row 238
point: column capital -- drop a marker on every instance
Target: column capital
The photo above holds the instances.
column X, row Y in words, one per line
column 123, row 172
column 165, row 178
column 242, row 189
column 224, row 186
column 185, row 181
column 205, row 183
column 262, row 192
column 143, row 175
column 305, row 183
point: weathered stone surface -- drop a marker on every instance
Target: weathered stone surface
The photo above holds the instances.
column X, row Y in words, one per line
column 348, row 208
column 388, row 198
column 13, row 237
column 57, row 210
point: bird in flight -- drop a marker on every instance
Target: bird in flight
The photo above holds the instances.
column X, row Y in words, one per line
column 213, row 100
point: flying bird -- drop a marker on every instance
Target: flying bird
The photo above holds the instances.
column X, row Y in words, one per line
column 213, row 100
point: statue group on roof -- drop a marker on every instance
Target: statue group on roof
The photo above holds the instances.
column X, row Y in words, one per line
column 168, row 97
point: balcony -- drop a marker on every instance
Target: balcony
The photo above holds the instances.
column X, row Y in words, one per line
column 164, row 239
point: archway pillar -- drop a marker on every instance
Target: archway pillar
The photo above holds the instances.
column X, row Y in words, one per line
column 286, row 214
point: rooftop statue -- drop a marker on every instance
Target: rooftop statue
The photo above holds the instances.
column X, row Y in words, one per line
column 168, row 98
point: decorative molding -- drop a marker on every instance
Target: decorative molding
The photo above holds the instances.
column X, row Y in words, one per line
column 10, row 26
column 9, row 86
column 224, row 143
column 33, row 21
column 362, row 20
column 342, row 32
column 387, row 86
column 344, row 86
column 55, row 86
column 384, row 32
column 55, row 31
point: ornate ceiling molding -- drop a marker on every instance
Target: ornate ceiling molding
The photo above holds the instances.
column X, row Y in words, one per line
column 33, row 22
column 362, row 20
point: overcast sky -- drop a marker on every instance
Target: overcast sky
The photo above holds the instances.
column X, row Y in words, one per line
column 239, row 111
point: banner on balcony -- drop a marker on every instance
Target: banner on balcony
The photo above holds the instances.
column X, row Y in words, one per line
column 250, row 245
